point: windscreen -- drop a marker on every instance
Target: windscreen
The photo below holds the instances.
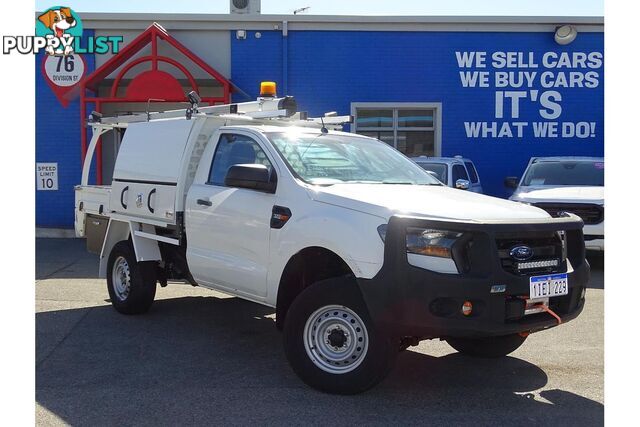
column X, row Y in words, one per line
column 439, row 169
column 326, row 159
column 575, row 173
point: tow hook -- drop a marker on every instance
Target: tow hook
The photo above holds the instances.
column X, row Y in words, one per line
column 542, row 307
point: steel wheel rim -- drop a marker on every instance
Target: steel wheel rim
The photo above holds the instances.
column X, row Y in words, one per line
column 121, row 278
column 336, row 339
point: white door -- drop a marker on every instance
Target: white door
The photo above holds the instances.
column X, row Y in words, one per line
column 228, row 228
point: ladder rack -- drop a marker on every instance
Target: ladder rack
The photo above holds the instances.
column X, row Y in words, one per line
column 265, row 110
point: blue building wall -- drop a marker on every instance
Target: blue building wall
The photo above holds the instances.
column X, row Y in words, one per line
column 58, row 140
column 328, row 70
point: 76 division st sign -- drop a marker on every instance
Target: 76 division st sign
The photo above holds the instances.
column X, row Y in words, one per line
column 46, row 176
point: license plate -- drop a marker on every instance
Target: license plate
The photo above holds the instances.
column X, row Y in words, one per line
column 552, row 285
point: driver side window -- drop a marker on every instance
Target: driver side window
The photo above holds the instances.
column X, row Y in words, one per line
column 234, row 149
column 459, row 172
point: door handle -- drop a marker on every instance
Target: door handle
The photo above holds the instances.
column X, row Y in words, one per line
column 204, row 202
column 125, row 189
column 151, row 193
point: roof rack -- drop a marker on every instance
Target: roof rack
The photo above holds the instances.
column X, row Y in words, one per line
column 265, row 110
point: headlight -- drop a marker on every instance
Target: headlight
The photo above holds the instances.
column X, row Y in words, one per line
column 432, row 249
column 431, row 242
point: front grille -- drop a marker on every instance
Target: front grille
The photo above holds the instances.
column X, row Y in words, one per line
column 590, row 213
column 547, row 247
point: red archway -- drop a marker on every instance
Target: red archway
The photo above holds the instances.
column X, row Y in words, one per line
column 153, row 84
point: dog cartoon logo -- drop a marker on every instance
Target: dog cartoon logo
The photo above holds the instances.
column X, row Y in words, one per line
column 61, row 23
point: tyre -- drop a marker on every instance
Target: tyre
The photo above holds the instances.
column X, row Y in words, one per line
column 489, row 347
column 131, row 284
column 331, row 342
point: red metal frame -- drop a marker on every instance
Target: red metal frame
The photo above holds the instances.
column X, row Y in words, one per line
column 154, row 78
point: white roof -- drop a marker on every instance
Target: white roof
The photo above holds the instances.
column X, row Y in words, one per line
column 293, row 128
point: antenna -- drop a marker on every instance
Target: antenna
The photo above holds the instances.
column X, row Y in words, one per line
column 324, row 128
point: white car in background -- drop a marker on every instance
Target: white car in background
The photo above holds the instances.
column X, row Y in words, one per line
column 455, row 172
column 566, row 184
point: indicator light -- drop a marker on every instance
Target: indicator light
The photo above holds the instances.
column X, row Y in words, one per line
column 467, row 308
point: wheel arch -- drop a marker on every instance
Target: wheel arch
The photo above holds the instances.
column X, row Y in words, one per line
column 117, row 231
column 305, row 267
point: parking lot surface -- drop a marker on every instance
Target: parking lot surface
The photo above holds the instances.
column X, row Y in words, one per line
column 201, row 357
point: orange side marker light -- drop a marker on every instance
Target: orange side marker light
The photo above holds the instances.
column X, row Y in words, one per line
column 467, row 308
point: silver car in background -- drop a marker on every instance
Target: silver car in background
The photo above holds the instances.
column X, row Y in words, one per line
column 457, row 172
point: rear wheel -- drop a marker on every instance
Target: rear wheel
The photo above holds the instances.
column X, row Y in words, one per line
column 330, row 341
column 131, row 284
column 488, row 347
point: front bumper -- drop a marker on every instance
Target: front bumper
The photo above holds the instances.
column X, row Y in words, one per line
column 594, row 236
column 594, row 244
column 409, row 301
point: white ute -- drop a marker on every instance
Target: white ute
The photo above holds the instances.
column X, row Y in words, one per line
column 360, row 251
column 566, row 184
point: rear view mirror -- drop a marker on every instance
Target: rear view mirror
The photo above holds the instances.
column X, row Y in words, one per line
column 251, row 176
column 511, row 182
column 462, row 184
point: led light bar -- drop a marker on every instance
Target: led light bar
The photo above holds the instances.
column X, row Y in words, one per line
column 537, row 264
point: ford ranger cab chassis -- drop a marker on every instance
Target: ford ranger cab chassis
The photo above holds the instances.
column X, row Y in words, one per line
column 360, row 252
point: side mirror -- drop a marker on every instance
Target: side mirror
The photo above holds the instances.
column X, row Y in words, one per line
column 462, row 184
column 511, row 182
column 251, row 176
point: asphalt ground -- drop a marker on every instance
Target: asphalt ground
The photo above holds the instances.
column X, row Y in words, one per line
column 202, row 357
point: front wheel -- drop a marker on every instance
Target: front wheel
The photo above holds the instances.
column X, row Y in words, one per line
column 330, row 341
column 488, row 347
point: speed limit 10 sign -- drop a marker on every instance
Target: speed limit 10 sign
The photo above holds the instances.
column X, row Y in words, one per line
column 46, row 176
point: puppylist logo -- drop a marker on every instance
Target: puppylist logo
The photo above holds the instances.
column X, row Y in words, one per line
column 59, row 33
column 59, row 27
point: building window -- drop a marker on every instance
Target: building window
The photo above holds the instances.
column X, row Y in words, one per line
column 412, row 128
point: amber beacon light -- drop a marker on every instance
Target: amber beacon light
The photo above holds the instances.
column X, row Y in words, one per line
column 268, row 89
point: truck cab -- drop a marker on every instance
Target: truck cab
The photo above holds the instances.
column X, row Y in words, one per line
column 358, row 249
